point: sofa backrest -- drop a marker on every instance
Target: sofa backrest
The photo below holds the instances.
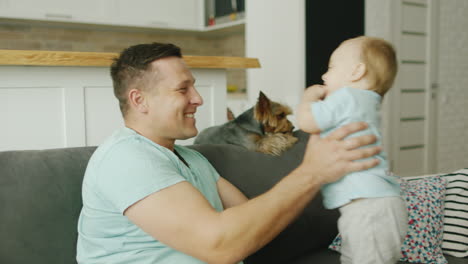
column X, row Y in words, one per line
column 40, row 201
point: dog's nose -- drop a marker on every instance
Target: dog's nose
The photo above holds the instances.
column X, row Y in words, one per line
column 290, row 130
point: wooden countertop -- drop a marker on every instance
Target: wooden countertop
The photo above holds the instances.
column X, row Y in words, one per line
column 102, row 59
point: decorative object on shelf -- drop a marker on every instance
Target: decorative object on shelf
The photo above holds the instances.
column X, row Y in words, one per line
column 233, row 14
column 232, row 88
column 211, row 20
column 224, row 11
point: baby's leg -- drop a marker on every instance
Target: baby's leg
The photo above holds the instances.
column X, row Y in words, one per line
column 373, row 230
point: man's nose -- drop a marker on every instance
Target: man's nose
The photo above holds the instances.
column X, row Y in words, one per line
column 196, row 98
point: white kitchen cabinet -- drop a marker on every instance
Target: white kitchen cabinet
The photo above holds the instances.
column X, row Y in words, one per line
column 86, row 11
column 45, row 107
column 177, row 14
column 170, row 14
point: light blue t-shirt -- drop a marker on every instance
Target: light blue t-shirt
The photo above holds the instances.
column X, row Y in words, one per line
column 123, row 170
column 344, row 106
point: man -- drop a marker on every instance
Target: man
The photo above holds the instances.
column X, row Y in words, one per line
column 147, row 200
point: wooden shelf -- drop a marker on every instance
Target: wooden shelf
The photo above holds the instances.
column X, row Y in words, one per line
column 102, row 59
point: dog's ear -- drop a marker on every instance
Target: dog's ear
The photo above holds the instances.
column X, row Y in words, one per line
column 263, row 107
column 262, row 96
column 230, row 114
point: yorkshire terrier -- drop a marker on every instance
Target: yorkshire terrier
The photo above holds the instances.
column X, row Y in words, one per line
column 262, row 128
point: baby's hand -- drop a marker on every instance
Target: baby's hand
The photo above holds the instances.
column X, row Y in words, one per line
column 314, row 93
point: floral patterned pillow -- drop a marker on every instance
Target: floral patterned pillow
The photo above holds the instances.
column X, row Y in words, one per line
column 425, row 202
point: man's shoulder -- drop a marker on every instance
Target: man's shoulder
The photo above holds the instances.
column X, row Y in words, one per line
column 126, row 146
column 119, row 141
column 189, row 153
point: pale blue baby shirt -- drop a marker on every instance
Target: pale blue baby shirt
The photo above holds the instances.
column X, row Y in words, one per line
column 123, row 170
column 344, row 106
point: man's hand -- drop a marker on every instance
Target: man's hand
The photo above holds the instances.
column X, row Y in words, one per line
column 330, row 158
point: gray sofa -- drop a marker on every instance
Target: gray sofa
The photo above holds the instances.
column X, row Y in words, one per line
column 40, row 200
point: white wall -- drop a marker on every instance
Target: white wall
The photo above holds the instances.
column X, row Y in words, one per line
column 275, row 34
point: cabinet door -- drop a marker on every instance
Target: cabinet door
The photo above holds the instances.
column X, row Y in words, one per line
column 176, row 14
column 182, row 14
column 56, row 107
column 55, row 10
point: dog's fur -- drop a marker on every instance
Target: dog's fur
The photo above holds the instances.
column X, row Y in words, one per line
column 263, row 128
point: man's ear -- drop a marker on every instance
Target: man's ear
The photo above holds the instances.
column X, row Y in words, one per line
column 359, row 72
column 137, row 100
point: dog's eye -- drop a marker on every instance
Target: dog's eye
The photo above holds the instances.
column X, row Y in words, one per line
column 282, row 115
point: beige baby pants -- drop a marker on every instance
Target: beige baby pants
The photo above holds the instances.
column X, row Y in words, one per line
column 372, row 230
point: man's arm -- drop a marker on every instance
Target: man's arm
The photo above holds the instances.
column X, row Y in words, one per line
column 304, row 116
column 230, row 195
column 182, row 218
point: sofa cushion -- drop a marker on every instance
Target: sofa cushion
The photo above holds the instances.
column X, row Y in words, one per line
column 40, row 200
column 425, row 204
column 425, row 201
column 456, row 214
column 455, row 240
column 254, row 173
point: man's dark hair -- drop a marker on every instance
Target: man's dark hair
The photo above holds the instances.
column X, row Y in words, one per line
column 128, row 69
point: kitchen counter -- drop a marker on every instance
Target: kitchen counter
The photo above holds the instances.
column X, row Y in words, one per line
column 103, row 59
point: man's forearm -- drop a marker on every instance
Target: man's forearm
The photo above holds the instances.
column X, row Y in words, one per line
column 250, row 226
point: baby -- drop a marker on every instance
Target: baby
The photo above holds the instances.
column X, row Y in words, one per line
column 373, row 221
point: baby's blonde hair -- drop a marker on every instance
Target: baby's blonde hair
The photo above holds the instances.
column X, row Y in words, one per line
column 379, row 56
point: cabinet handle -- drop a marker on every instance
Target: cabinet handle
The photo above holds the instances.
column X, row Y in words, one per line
column 434, row 88
column 158, row 23
column 61, row 16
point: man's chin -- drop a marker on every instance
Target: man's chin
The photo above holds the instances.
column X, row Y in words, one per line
column 188, row 135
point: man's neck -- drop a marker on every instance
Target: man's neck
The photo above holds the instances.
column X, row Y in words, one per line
column 147, row 133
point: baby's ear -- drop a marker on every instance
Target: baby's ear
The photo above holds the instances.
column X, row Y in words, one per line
column 359, row 72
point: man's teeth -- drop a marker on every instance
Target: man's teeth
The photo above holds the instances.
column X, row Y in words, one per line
column 189, row 115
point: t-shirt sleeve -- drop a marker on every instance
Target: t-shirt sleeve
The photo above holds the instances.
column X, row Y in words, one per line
column 330, row 112
column 132, row 170
column 206, row 167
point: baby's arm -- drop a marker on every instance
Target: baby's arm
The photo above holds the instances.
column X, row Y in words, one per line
column 304, row 116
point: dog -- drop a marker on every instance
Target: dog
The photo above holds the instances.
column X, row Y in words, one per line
column 262, row 128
